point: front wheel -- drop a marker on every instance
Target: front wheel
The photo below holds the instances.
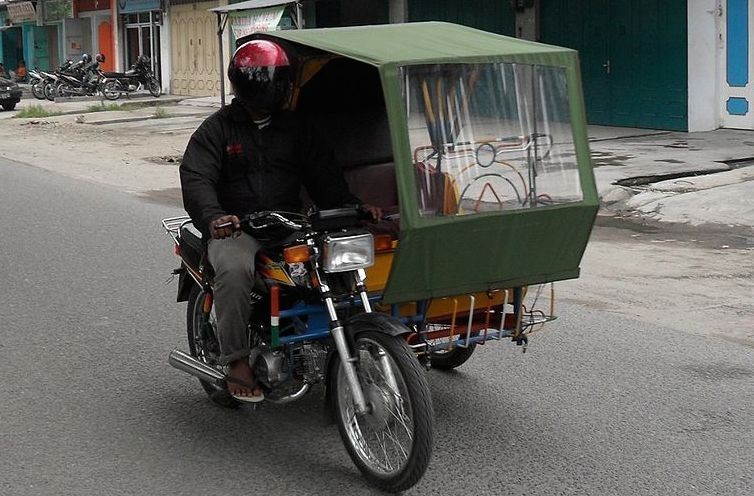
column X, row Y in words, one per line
column 154, row 87
column 37, row 89
column 9, row 106
column 392, row 443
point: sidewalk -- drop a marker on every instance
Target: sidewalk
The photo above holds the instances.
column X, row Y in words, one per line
column 694, row 178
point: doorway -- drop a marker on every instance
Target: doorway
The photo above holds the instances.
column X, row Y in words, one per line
column 633, row 58
column 142, row 37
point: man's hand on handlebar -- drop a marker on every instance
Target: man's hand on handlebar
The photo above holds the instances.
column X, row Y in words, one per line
column 225, row 226
column 375, row 212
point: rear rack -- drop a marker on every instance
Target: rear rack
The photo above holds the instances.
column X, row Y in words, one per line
column 173, row 225
column 509, row 324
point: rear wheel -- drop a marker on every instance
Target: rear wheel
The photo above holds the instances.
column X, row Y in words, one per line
column 9, row 106
column 392, row 443
column 203, row 345
column 49, row 91
column 154, row 87
column 111, row 90
column 62, row 90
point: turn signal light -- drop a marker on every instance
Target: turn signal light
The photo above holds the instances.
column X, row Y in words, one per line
column 383, row 242
column 296, row 254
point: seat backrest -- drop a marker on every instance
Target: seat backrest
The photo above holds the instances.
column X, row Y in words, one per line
column 360, row 140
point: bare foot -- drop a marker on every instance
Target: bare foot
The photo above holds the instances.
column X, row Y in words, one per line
column 242, row 382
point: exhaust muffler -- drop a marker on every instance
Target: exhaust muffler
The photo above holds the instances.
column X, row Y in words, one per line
column 186, row 363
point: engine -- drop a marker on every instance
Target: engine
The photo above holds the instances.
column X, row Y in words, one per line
column 304, row 362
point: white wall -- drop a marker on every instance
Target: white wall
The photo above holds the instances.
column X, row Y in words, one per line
column 165, row 54
column 398, row 11
column 704, row 64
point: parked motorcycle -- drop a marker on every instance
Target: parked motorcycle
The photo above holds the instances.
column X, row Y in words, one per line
column 326, row 334
column 138, row 77
column 36, row 84
column 52, row 79
column 85, row 80
column 86, row 84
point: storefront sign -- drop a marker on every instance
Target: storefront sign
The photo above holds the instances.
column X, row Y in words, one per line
column 21, row 12
column 245, row 23
column 130, row 6
column 57, row 10
column 91, row 5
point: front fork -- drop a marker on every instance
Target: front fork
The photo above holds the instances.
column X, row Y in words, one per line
column 341, row 344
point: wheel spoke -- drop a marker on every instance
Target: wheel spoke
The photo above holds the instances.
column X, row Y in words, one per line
column 383, row 437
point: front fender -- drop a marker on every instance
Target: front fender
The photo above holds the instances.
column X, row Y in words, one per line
column 376, row 321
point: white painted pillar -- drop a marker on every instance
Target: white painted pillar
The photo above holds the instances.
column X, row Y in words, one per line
column 398, row 11
column 704, row 64
column 527, row 23
column 165, row 53
column 116, row 37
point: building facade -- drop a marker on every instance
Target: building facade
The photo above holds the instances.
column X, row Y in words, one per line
column 661, row 64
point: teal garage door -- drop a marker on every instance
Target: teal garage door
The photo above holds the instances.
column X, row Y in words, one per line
column 633, row 58
column 496, row 16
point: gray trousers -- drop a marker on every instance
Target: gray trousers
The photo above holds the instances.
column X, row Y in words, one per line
column 233, row 261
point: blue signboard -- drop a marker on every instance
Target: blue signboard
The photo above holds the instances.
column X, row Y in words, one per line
column 130, row 6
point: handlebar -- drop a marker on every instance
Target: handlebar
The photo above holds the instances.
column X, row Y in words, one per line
column 268, row 219
column 322, row 219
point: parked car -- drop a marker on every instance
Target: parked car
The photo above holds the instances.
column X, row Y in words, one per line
column 10, row 94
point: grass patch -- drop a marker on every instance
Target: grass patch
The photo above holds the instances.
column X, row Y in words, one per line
column 105, row 107
column 35, row 111
column 161, row 113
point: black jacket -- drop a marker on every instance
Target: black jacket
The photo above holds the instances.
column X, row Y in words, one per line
column 232, row 167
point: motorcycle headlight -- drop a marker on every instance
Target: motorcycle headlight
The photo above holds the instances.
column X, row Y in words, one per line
column 343, row 253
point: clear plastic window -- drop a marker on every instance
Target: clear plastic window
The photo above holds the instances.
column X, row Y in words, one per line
column 490, row 137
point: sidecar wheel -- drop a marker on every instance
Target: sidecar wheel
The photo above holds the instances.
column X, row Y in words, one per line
column 195, row 319
column 392, row 444
column 449, row 360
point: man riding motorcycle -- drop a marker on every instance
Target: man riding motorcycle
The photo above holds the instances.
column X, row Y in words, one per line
column 250, row 156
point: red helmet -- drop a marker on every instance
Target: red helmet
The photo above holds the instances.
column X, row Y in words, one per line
column 260, row 74
column 100, row 58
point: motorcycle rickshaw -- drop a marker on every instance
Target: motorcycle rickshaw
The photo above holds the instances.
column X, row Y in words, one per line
column 475, row 147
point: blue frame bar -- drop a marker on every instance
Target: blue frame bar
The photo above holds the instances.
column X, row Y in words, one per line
column 492, row 335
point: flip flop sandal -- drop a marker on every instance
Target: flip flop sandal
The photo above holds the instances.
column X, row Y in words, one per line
column 246, row 399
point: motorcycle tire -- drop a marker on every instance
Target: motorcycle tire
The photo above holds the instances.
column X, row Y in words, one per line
column 388, row 404
column 195, row 319
column 61, row 90
column 449, row 360
column 111, row 90
column 49, row 90
column 9, row 106
column 154, row 87
column 37, row 89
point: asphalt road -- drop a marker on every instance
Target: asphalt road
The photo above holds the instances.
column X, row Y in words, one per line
column 88, row 405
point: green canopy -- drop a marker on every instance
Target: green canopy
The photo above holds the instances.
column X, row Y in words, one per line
column 454, row 254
